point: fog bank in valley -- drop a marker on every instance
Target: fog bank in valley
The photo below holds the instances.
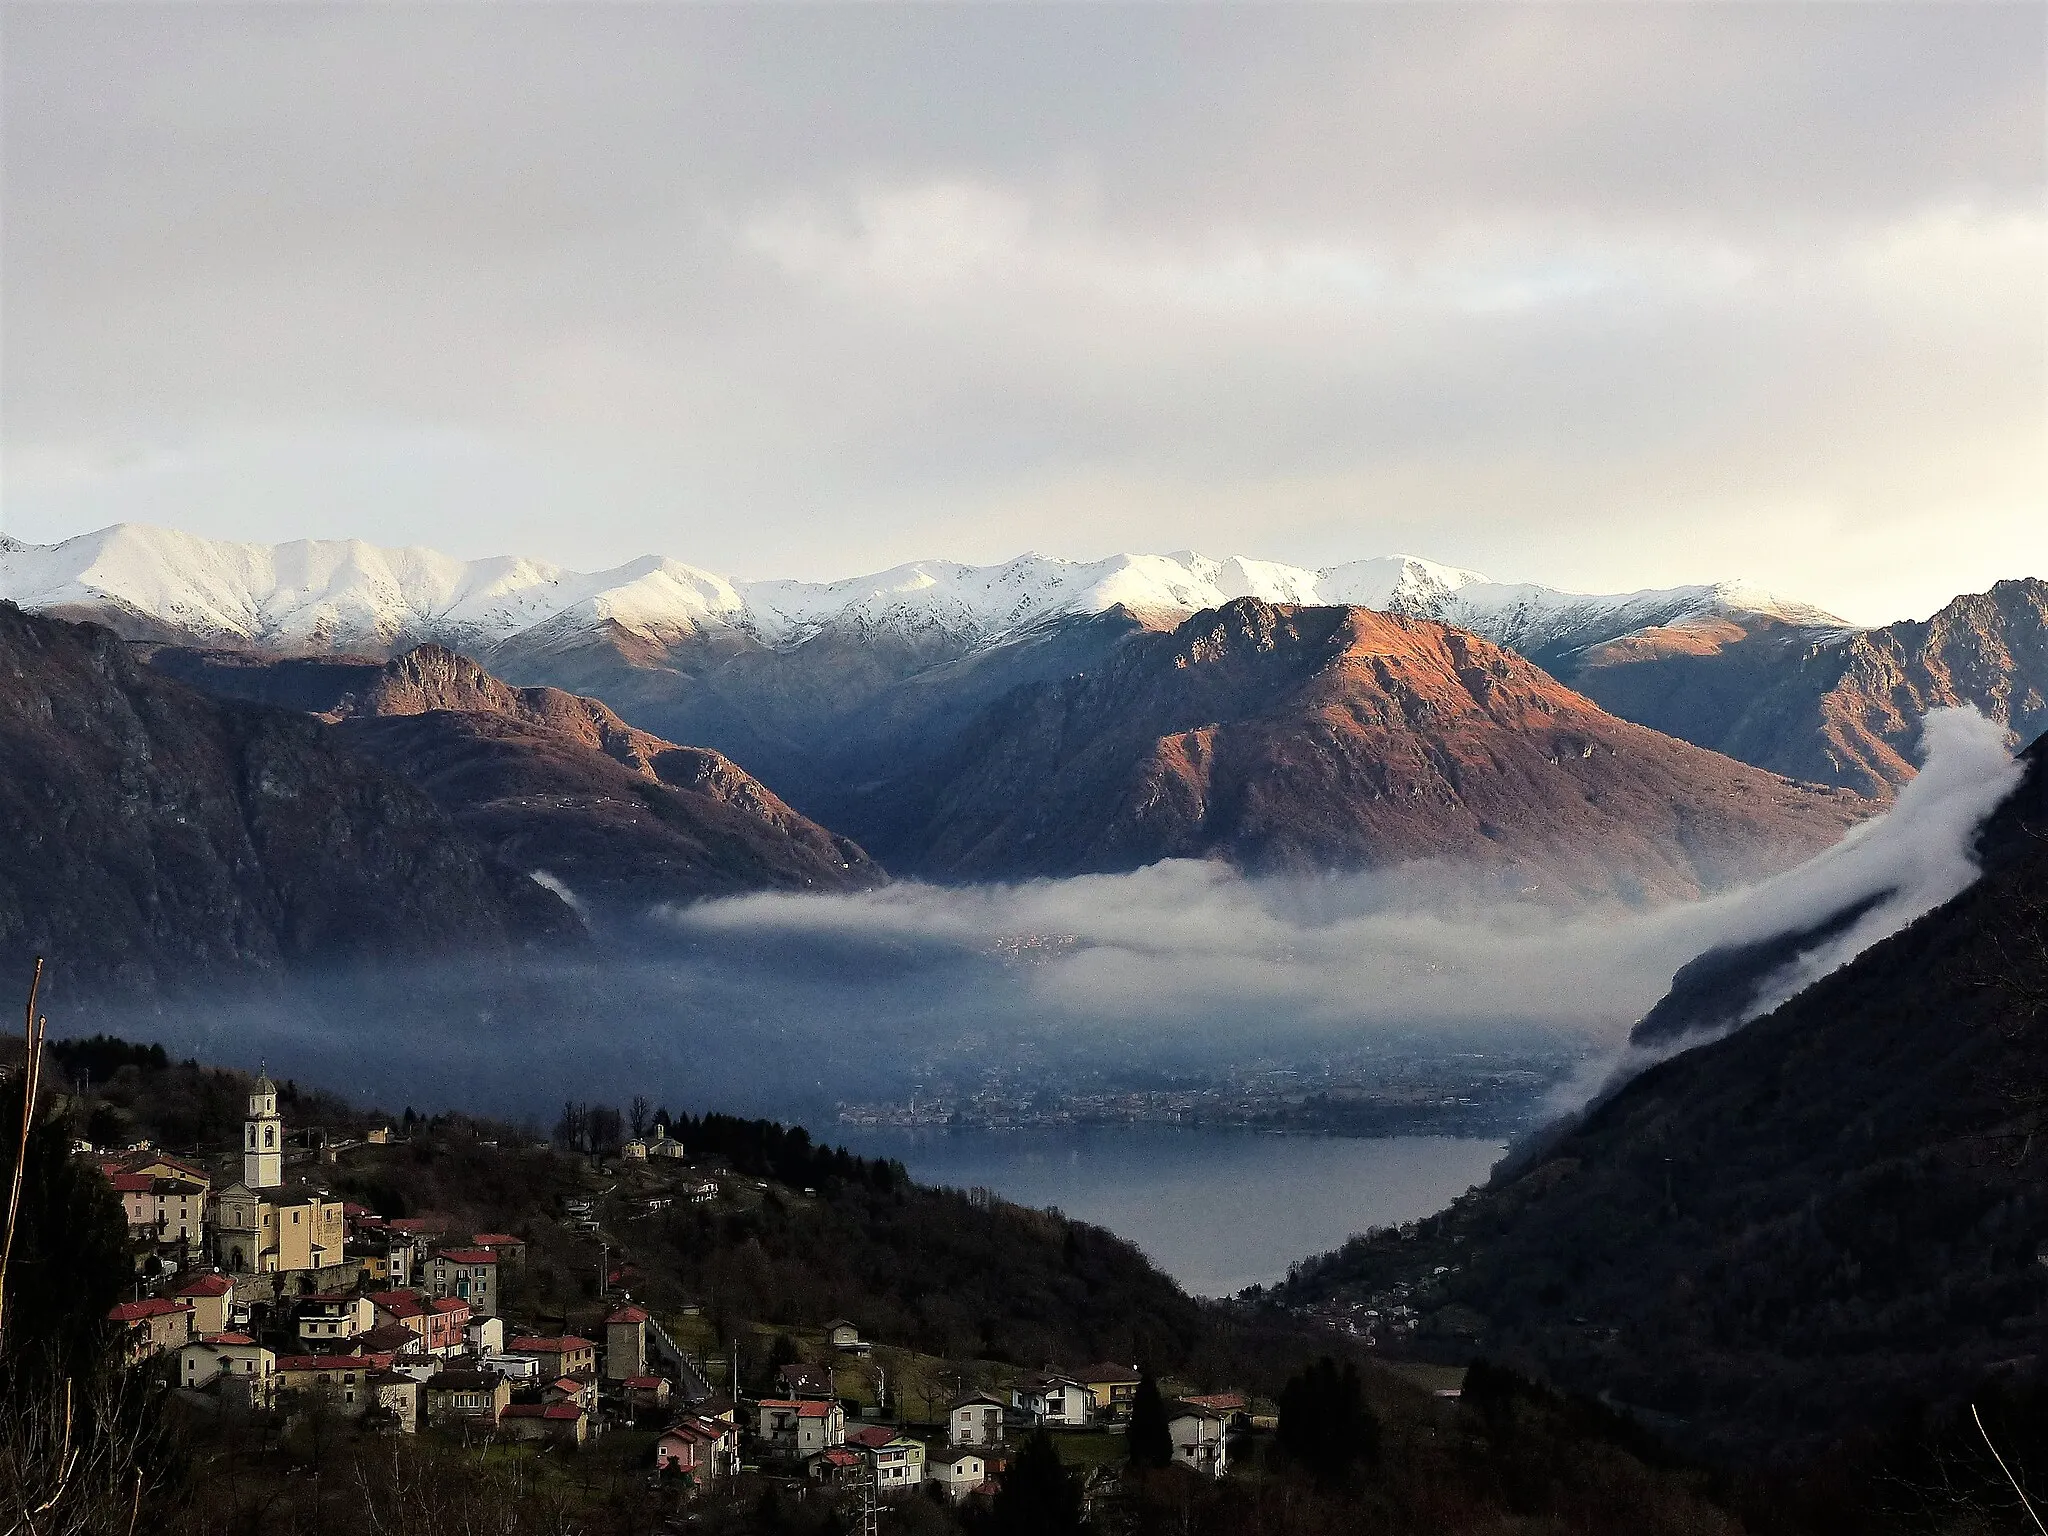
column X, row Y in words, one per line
column 787, row 1004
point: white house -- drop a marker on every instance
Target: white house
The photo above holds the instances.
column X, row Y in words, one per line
column 898, row 1459
column 1050, row 1398
column 976, row 1419
column 844, row 1335
column 958, row 1470
column 1198, row 1441
column 331, row 1319
column 800, row 1428
column 220, row 1357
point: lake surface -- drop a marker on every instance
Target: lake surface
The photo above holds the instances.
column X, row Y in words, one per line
column 1218, row 1210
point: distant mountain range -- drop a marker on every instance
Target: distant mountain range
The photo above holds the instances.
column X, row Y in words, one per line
column 658, row 732
column 152, row 583
column 821, row 689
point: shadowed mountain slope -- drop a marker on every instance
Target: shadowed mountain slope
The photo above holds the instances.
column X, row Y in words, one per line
column 551, row 781
column 156, row 836
column 1807, row 1228
column 1305, row 738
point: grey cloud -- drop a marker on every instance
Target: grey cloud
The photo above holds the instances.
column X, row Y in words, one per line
column 1597, row 295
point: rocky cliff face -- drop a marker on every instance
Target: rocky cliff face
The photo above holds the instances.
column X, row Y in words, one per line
column 1309, row 738
column 157, row 837
column 551, row 781
column 1823, row 705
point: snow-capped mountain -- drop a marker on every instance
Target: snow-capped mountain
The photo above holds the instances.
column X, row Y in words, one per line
column 351, row 596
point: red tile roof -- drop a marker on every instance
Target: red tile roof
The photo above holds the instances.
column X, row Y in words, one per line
column 643, row 1383
column 206, row 1285
column 627, row 1314
column 467, row 1256
column 225, row 1338
column 400, row 1303
column 136, row 1311
column 451, row 1304
column 564, row 1411
column 132, row 1183
column 537, row 1346
column 802, row 1409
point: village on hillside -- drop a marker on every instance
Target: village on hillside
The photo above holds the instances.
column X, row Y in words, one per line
column 260, row 1292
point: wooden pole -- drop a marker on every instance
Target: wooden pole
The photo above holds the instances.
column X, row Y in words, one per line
column 31, row 1069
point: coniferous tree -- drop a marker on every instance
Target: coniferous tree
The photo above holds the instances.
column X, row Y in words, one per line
column 1150, row 1441
column 1325, row 1423
column 70, row 1256
column 1038, row 1496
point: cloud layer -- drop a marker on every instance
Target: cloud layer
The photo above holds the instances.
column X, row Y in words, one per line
column 1193, row 958
column 785, row 1004
column 1603, row 296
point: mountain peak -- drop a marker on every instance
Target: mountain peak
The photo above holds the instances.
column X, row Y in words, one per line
column 328, row 596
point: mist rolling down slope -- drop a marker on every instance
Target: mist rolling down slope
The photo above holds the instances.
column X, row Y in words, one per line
column 1827, row 1223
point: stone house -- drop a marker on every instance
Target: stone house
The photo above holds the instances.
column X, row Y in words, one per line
column 471, row 1397
column 152, row 1326
column 565, row 1423
column 470, row 1274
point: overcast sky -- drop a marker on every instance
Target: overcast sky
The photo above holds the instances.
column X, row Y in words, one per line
column 1606, row 297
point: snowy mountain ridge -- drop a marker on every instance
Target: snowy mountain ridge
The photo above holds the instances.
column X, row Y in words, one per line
column 346, row 595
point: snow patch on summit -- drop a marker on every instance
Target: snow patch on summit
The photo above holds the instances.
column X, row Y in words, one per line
column 345, row 595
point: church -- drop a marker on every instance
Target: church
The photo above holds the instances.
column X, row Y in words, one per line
column 261, row 1225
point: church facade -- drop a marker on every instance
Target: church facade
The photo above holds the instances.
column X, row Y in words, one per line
column 260, row 1225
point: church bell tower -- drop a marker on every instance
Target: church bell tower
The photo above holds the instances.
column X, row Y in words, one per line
column 263, row 1138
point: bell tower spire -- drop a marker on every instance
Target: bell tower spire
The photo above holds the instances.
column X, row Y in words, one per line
column 263, row 1136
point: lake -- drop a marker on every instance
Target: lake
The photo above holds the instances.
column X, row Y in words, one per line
column 1216, row 1209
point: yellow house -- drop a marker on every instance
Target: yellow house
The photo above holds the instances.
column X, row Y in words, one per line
column 1112, row 1387
column 211, row 1298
